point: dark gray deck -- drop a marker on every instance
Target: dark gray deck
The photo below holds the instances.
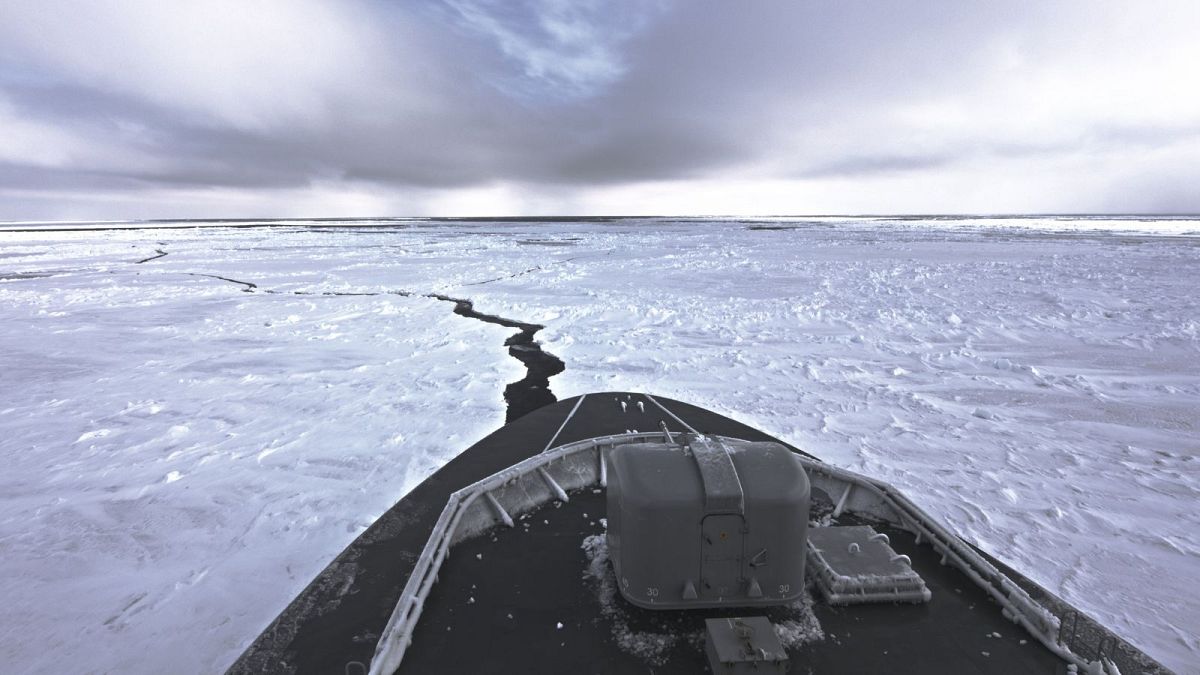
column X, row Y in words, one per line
column 535, row 575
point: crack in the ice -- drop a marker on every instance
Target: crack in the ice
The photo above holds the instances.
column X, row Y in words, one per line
column 531, row 269
column 160, row 253
column 523, row 396
column 523, row 272
column 249, row 287
column 532, row 391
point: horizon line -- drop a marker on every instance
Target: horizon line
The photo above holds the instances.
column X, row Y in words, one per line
column 551, row 218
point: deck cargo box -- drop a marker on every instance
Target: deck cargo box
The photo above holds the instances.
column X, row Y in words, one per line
column 707, row 522
column 743, row 644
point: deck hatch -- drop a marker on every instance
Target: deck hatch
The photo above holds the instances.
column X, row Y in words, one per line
column 856, row 565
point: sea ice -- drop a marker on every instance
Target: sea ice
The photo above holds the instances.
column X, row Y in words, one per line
column 184, row 451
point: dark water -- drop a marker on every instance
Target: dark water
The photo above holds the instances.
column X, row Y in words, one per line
column 532, row 391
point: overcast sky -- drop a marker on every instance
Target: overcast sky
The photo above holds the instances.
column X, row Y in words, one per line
column 240, row 108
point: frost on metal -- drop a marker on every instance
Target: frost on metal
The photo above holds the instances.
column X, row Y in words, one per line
column 856, row 565
column 798, row 626
column 649, row 646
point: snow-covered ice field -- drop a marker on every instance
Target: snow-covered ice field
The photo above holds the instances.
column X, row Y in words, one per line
column 183, row 453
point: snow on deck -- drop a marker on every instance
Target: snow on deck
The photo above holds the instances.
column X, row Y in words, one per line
column 182, row 456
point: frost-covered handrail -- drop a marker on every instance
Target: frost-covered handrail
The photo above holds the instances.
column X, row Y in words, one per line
column 397, row 635
column 1016, row 604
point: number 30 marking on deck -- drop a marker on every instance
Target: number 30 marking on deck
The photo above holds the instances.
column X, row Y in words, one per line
column 652, row 592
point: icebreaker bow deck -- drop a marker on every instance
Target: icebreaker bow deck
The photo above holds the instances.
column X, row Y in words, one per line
column 498, row 563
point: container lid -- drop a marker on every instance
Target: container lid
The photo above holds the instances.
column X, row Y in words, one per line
column 720, row 475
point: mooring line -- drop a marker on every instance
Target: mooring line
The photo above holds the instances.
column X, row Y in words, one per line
column 564, row 423
column 673, row 416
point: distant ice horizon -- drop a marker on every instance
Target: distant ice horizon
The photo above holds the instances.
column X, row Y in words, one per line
column 1148, row 223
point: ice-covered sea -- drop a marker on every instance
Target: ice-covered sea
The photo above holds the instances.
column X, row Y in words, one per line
column 182, row 452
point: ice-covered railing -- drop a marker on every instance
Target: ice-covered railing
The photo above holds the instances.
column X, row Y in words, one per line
column 483, row 505
column 551, row 474
column 874, row 497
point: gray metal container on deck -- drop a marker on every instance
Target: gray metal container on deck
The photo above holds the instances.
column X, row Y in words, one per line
column 707, row 523
column 749, row 645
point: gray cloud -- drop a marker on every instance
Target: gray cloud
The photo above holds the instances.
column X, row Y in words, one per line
column 870, row 164
column 561, row 100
